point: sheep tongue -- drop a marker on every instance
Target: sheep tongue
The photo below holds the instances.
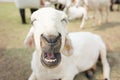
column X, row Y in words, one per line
column 50, row 56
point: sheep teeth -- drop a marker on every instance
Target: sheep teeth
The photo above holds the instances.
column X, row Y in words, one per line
column 50, row 60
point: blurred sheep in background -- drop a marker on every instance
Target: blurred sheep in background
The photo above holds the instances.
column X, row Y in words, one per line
column 113, row 2
column 76, row 13
column 62, row 4
column 100, row 9
column 73, row 8
column 98, row 6
column 32, row 4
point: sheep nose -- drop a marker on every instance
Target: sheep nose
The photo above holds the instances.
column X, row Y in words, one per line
column 51, row 38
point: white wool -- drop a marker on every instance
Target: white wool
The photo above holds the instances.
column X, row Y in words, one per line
column 27, row 4
column 77, row 12
column 30, row 3
column 100, row 8
column 86, row 48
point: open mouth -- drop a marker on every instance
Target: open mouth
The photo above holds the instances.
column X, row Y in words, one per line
column 51, row 59
column 51, row 55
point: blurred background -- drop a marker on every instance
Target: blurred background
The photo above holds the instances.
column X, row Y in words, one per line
column 15, row 24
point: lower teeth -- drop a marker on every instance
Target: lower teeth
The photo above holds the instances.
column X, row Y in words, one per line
column 50, row 60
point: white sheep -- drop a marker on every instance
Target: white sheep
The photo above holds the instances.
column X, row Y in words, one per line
column 98, row 6
column 32, row 4
column 77, row 12
column 63, row 4
column 59, row 55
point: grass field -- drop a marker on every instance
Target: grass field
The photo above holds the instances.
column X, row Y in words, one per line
column 15, row 58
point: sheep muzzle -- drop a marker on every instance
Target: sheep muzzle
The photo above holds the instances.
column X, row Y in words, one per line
column 50, row 46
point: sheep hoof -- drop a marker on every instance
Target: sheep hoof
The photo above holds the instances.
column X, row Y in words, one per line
column 24, row 23
column 89, row 74
column 81, row 27
column 106, row 79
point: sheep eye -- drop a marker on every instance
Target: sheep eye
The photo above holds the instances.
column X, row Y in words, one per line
column 64, row 20
column 33, row 21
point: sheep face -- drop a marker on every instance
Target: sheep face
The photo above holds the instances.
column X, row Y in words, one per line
column 48, row 35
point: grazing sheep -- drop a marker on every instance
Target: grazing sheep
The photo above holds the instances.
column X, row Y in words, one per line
column 77, row 12
column 57, row 53
column 98, row 6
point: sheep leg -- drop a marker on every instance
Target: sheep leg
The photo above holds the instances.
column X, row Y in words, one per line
column 118, row 8
column 94, row 17
column 22, row 13
column 105, row 64
column 90, row 73
column 111, row 5
column 83, row 22
column 100, row 16
column 85, row 17
column 59, row 6
column 107, row 14
column 33, row 10
column 56, row 6
column 32, row 77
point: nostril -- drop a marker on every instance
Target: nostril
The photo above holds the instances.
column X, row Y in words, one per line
column 58, row 37
column 55, row 38
column 43, row 37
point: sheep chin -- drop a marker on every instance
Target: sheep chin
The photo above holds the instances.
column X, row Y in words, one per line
column 52, row 62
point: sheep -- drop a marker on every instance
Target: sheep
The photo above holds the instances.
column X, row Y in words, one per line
column 98, row 6
column 57, row 52
column 62, row 4
column 77, row 12
column 32, row 4
column 72, row 11
column 114, row 2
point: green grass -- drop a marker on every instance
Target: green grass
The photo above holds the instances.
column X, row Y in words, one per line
column 15, row 58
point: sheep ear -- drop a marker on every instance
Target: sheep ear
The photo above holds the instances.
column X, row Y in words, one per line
column 33, row 17
column 64, row 19
column 68, row 49
column 29, row 40
column 86, row 2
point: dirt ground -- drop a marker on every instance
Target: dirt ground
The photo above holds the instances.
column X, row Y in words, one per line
column 15, row 58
